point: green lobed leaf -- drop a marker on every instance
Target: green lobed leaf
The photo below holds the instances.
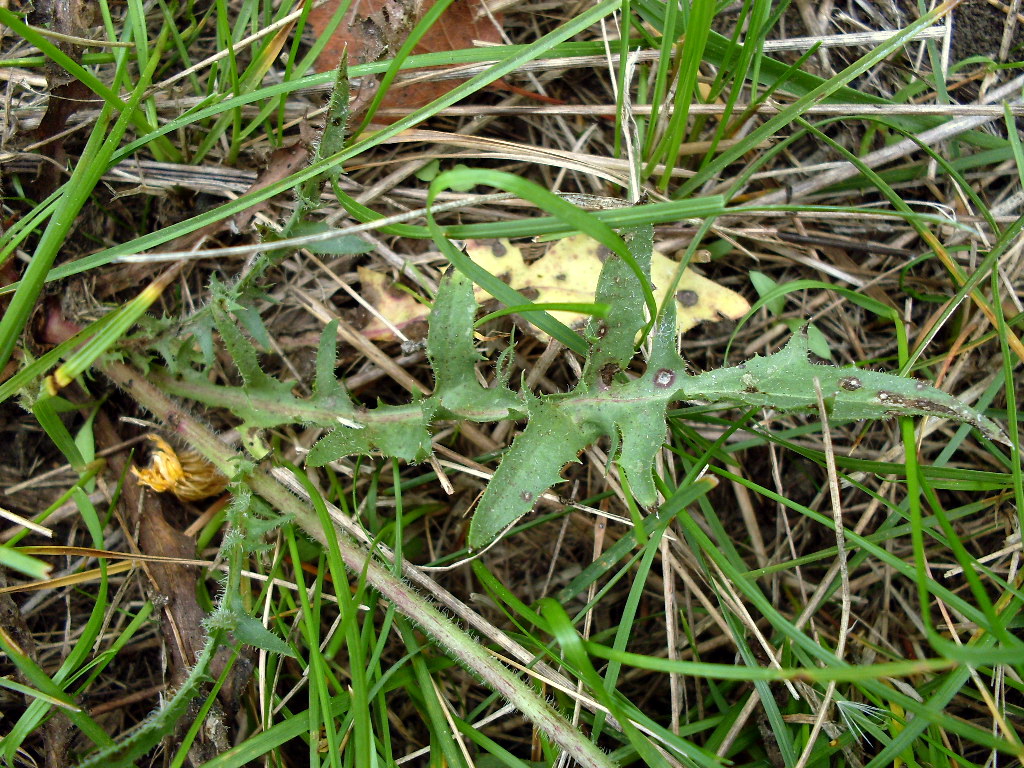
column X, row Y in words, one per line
column 531, row 466
column 233, row 617
column 332, row 140
column 453, row 354
column 401, row 438
column 250, row 320
column 634, row 412
column 251, row 632
column 244, row 355
column 257, row 383
column 327, row 390
column 630, row 413
column 642, row 426
column 785, row 381
column 613, row 337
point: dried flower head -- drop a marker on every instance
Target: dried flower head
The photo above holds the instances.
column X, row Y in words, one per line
column 187, row 475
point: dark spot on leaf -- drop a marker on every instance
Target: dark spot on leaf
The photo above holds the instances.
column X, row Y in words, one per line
column 560, row 277
column 505, row 277
column 923, row 404
column 850, row 383
column 751, row 389
column 526, row 496
column 687, row 298
column 608, row 371
column 664, row 377
column 603, row 252
column 498, row 249
column 530, row 293
column 891, row 398
column 602, row 330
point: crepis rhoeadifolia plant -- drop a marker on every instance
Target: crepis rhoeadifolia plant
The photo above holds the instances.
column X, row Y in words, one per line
column 607, row 401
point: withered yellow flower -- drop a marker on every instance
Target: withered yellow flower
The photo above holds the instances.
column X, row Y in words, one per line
column 187, row 475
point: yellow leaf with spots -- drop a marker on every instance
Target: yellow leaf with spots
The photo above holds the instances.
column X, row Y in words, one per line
column 567, row 272
column 570, row 269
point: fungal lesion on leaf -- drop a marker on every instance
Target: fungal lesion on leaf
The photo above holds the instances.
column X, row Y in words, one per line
column 664, row 378
column 608, row 372
column 850, row 383
column 687, row 298
column 891, row 398
column 927, row 405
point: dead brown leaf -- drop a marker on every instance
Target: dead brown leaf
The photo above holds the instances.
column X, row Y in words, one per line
column 376, row 29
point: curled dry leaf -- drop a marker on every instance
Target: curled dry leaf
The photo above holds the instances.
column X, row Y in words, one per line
column 568, row 272
column 187, row 475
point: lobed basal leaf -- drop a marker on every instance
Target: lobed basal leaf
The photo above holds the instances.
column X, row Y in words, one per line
column 613, row 338
column 533, row 464
column 453, row 354
column 640, row 419
column 785, row 381
column 397, row 431
column 404, row 431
